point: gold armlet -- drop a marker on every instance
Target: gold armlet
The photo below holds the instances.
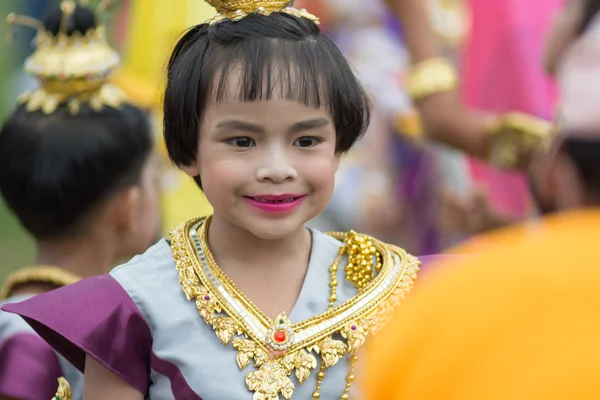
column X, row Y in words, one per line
column 514, row 137
column 64, row 390
column 432, row 76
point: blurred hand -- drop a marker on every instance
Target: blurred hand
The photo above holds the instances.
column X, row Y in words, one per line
column 392, row 3
column 382, row 215
column 470, row 215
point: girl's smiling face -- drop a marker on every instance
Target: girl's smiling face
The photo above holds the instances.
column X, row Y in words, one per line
column 261, row 109
column 267, row 166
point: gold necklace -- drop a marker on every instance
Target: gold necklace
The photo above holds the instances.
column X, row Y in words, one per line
column 352, row 275
column 279, row 347
column 37, row 274
column 355, row 270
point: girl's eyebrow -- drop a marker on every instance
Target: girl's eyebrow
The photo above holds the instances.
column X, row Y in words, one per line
column 240, row 126
column 302, row 126
column 308, row 125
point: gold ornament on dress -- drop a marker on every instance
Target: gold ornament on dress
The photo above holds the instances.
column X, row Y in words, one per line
column 72, row 70
column 64, row 390
column 279, row 347
column 236, row 10
column 37, row 274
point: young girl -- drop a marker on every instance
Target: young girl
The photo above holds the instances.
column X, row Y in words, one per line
column 247, row 303
column 75, row 168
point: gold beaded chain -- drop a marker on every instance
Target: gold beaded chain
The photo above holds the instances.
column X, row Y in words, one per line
column 359, row 271
column 333, row 283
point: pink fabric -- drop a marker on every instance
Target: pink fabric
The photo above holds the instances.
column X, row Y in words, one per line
column 29, row 368
column 502, row 71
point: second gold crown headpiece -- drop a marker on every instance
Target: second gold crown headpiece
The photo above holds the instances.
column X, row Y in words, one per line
column 72, row 70
column 235, row 10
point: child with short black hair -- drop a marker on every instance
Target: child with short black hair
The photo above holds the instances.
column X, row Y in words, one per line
column 259, row 107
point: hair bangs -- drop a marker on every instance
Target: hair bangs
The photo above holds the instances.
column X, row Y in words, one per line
column 259, row 58
column 265, row 71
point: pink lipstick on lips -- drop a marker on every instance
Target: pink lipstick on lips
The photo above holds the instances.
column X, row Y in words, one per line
column 276, row 203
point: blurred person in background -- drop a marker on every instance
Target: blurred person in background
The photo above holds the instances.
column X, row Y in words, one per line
column 518, row 319
column 427, row 194
column 76, row 169
column 500, row 73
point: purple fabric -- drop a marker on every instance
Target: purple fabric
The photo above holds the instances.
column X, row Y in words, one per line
column 94, row 316
column 97, row 317
column 418, row 185
column 29, row 368
column 179, row 386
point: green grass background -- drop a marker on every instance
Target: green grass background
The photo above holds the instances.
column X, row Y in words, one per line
column 16, row 248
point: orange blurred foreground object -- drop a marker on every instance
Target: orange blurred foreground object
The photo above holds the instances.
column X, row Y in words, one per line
column 518, row 319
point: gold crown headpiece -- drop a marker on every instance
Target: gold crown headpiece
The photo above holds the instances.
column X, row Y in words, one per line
column 235, row 10
column 72, row 70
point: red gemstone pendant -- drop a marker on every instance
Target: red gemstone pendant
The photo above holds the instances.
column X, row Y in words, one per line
column 280, row 336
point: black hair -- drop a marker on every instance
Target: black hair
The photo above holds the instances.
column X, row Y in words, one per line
column 276, row 53
column 590, row 9
column 585, row 154
column 80, row 21
column 55, row 169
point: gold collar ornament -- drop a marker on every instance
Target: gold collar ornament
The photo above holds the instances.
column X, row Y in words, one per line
column 236, row 10
column 72, row 70
column 383, row 275
column 37, row 274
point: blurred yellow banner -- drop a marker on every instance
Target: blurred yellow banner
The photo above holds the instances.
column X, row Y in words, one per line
column 153, row 27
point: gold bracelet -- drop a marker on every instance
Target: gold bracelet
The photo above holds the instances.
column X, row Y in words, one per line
column 514, row 137
column 432, row 76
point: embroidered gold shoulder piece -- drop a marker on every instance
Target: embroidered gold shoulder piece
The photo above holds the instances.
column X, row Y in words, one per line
column 382, row 273
column 37, row 274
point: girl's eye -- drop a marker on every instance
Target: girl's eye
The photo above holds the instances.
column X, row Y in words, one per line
column 307, row 141
column 242, row 142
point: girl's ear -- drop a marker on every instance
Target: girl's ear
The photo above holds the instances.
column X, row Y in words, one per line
column 191, row 170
